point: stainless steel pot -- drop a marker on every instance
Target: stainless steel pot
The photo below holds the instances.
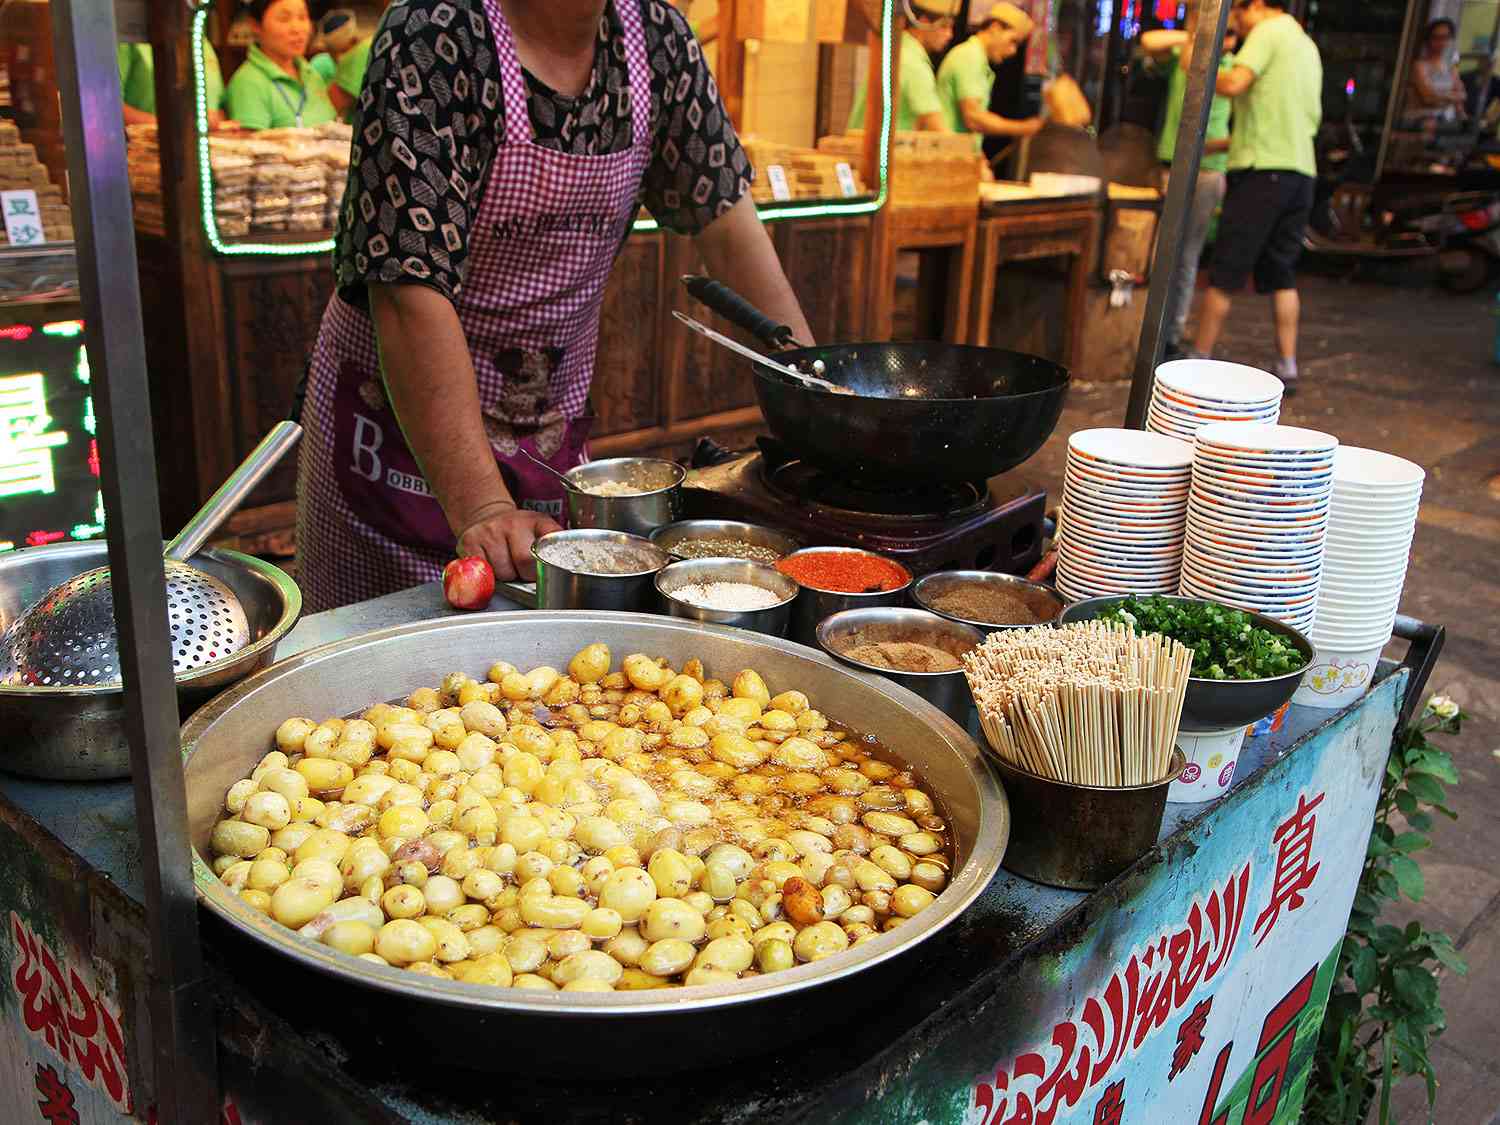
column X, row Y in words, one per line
column 561, row 587
column 947, row 691
column 224, row 740
column 74, row 733
column 771, row 620
column 660, row 503
column 813, row 605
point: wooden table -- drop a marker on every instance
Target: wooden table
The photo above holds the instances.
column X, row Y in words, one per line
column 1025, row 230
column 911, row 227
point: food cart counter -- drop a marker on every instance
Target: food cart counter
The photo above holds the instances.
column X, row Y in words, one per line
column 1197, row 976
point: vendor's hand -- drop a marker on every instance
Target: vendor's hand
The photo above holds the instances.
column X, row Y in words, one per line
column 505, row 539
column 1032, row 126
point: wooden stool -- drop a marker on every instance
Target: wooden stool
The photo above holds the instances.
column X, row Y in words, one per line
column 949, row 228
column 1017, row 232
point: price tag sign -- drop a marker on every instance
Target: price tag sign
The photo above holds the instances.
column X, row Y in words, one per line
column 780, row 189
column 23, row 218
column 846, row 179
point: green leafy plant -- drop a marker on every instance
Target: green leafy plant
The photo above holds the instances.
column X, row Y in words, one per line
column 1384, row 1010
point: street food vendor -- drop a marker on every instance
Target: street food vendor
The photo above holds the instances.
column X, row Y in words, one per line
column 502, row 156
column 137, row 66
column 276, row 87
column 919, row 106
column 966, row 76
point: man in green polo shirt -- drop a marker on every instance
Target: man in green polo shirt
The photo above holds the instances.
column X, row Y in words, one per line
column 1174, row 49
column 138, row 83
column 276, row 87
column 966, row 76
column 917, row 105
column 1277, row 86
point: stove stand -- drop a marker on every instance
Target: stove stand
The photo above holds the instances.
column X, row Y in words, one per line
column 996, row 525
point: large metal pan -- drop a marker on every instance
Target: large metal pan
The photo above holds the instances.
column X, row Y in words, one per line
column 223, row 741
column 919, row 412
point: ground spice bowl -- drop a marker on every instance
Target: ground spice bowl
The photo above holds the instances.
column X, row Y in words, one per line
column 772, row 620
column 558, row 587
column 1080, row 836
column 813, row 605
column 947, row 691
column 1045, row 602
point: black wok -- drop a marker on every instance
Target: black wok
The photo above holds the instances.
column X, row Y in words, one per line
column 919, row 412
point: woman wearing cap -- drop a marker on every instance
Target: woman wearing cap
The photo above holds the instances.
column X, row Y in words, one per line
column 966, row 76
column 919, row 106
column 275, row 87
column 501, row 154
column 350, row 52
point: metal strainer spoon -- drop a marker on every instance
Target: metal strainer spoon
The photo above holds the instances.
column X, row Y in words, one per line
column 68, row 639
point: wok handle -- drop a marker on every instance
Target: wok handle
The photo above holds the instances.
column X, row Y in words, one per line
column 723, row 300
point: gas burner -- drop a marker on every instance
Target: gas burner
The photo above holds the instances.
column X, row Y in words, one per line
column 813, row 489
column 996, row 525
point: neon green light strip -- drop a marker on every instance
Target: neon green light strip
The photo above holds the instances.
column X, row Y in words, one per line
column 324, row 246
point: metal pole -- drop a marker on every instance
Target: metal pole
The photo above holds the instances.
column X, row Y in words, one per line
column 182, row 1037
column 1397, row 96
column 1203, row 69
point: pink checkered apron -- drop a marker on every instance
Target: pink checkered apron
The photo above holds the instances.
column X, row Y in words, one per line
column 540, row 251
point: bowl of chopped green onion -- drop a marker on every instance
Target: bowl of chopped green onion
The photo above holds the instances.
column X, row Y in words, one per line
column 1245, row 665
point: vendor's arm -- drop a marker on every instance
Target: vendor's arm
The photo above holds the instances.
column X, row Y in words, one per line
column 978, row 119
column 739, row 253
column 430, row 379
column 1250, row 61
column 1160, row 42
column 341, row 98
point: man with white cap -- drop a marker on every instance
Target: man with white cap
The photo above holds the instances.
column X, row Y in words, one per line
column 967, row 76
column 918, row 105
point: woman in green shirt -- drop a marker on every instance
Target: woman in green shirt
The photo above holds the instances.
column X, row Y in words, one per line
column 276, row 87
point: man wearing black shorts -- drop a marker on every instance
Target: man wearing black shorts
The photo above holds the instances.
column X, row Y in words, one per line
column 1277, row 86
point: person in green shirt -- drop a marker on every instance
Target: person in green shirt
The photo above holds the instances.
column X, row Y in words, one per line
column 1175, row 50
column 275, row 87
column 918, row 106
column 137, row 67
column 327, row 69
column 350, row 52
column 966, row 76
column 1277, row 86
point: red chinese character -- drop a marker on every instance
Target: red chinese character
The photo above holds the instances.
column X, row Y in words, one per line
column 1111, row 1107
column 56, row 1102
column 1190, row 1038
column 1293, row 875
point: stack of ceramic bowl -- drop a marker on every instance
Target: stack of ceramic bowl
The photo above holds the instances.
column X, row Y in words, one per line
column 1192, row 393
column 1124, row 505
column 1257, row 516
column 1370, row 528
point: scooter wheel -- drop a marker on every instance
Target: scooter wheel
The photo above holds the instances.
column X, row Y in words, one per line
column 1463, row 269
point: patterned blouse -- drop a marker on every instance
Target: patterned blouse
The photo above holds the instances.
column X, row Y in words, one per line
column 433, row 91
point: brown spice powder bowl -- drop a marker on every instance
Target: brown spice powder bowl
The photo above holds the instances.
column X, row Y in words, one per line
column 1043, row 601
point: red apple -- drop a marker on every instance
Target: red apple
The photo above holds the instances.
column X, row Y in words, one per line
column 468, row 583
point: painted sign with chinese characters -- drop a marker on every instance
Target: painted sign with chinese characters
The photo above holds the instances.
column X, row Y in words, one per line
column 1196, row 993
column 49, row 458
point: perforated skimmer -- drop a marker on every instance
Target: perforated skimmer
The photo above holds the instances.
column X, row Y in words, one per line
column 68, row 639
